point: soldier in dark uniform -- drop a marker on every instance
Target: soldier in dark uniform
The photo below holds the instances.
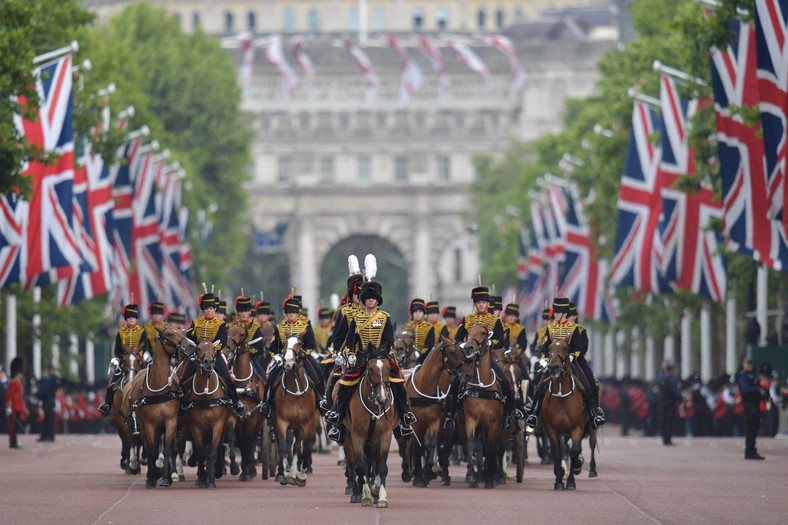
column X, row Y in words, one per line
column 514, row 335
column 481, row 301
column 423, row 335
column 177, row 320
column 263, row 313
column 541, row 334
column 131, row 335
column 221, row 311
column 243, row 311
column 293, row 324
column 156, row 311
column 370, row 326
column 322, row 330
column 577, row 338
column 449, row 315
column 496, row 305
column 438, row 329
column 211, row 328
column 751, row 395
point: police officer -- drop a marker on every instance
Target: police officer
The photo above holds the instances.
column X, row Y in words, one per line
column 370, row 326
column 211, row 328
column 481, row 315
column 254, row 339
column 751, row 395
column 130, row 335
column 293, row 323
column 423, row 335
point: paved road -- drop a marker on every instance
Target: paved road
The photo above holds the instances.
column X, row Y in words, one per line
column 701, row 480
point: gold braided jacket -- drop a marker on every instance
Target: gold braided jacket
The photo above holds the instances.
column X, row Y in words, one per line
column 286, row 329
column 420, row 332
column 321, row 337
column 207, row 329
column 131, row 337
column 251, row 327
column 150, row 330
column 372, row 333
column 487, row 320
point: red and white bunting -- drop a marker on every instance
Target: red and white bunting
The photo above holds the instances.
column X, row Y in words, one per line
column 436, row 61
column 412, row 77
column 247, row 59
column 467, row 56
column 518, row 78
column 276, row 56
column 301, row 57
column 365, row 64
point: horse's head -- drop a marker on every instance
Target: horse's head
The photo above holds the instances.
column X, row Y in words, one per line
column 378, row 376
column 131, row 362
column 268, row 337
column 293, row 353
column 476, row 343
column 558, row 352
column 206, row 355
column 173, row 340
column 237, row 338
column 454, row 361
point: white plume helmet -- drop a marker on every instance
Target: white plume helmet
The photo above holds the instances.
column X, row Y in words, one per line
column 370, row 266
column 334, row 301
column 352, row 265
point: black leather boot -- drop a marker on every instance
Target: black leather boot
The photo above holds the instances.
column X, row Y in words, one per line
column 450, row 404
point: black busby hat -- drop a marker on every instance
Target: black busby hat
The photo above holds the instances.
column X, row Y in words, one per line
column 449, row 311
column 131, row 310
column 297, row 298
column 243, row 304
column 156, row 308
column 221, row 308
column 324, row 313
column 572, row 308
column 480, row 293
column 262, row 308
column 496, row 301
column 546, row 314
column 371, row 289
column 433, row 307
column 17, row 366
column 176, row 317
column 561, row 305
column 207, row 300
column 291, row 305
column 417, row 304
column 513, row 309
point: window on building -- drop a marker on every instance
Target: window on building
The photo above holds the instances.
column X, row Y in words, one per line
column 195, row 20
column 228, row 21
column 518, row 15
column 251, row 21
column 401, row 169
column 444, row 168
column 499, row 19
column 418, row 19
column 327, row 170
column 378, row 19
column 364, row 171
column 480, row 18
column 285, row 170
column 313, row 20
column 442, row 18
column 288, row 19
column 352, row 19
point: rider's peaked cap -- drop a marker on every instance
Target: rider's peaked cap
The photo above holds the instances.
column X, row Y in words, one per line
column 561, row 305
column 176, row 317
column 262, row 308
column 496, row 301
column 156, row 308
column 207, row 300
column 131, row 310
column 449, row 311
column 291, row 305
column 512, row 309
column 572, row 308
column 433, row 307
column 243, row 304
column 480, row 293
column 371, row 289
column 221, row 307
column 546, row 314
column 416, row 304
column 324, row 313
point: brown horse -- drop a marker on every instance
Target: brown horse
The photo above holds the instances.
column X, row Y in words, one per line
column 405, row 347
column 130, row 364
column 482, row 410
column 563, row 416
column 151, row 400
column 508, row 359
column 250, row 389
column 205, row 415
column 370, row 419
column 295, row 414
column 427, row 387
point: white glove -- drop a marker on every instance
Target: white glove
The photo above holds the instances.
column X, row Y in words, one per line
column 8, row 411
column 114, row 363
column 417, row 354
column 571, row 357
column 278, row 359
column 351, row 360
column 543, row 362
column 340, row 360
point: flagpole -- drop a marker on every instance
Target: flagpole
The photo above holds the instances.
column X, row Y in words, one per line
column 659, row 67
column 36, row 357
column 635, row 94
column 73, row 47
column 10, row 333
column 362, row 22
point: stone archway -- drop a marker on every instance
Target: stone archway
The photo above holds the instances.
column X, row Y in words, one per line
column 392, row 271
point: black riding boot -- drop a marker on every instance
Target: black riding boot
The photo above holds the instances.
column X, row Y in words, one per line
column 268, row 397
column 533, row 417
column 594, row 410
column 450, row 404
column 406, row 416
column 335, row 417
column 106, row 406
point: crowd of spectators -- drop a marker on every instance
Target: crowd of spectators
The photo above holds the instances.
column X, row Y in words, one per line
column 703, row 409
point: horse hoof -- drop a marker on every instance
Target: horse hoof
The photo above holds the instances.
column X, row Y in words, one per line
column 545, row 461
column 123, row 464
column 570, row 486
column 366, row 502
column 501, row 480
column 355, row 498
column 181, row 478
column 592, row 474
column 383, row 504
column 164, row 482
column 445, row 482
column 406, row 478
column 558, row 486
column 234, row 469
column 280, row 478
column 419, row 483
column 473, row 484
column 174, row 477
column 192, row 461
column 348, row 492
column 211, row 485
column 300, row 482
column 489, row 484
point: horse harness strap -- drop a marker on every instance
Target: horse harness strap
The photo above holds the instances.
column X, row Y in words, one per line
column 156, row 398
column 209, row 403
column 481, row 394
column 423, row 401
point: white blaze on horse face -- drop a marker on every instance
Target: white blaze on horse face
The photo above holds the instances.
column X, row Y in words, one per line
column 382, row 394
column 132, row 357
column 290, row 353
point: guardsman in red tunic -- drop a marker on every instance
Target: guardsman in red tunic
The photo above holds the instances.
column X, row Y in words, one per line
column 130, row 335
column 481, row 301
column 15, row 400
column 370, row 326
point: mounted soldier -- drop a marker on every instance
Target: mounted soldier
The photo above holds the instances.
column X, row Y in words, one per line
column 481, row 316
column 130, row 335
column 177, row 320
column 243, row 312
column 515, row 339
column 577, row 339
column 322, row 330
column 370, row 327
column 152, row 327
column 438, row 329
column 263, row 313
column 450, row 318
column 541, row 333
column 424, row 338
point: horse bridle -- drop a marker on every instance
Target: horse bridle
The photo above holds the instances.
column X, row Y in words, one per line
column 239, row 348
column 184, row 350
column 373, row 386
column 563, row 360
column 447, row 366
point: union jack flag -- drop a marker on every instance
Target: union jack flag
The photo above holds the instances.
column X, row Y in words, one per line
column 532, row 293
column 771, row 26
column 638, row 250
column 691, row 257
column 122, row 191
column 13, row 227
column 583, row 273
column 746, row 222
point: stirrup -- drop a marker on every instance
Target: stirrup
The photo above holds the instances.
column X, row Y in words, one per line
column 104, row 409
column 448, row 422
column 598, row 421
column 323, row 405
column 408, row 418
column 518, row 414
column 530, row 423
column 332, row 416
column 405, row 430
column 334, row 434
column 265, row 409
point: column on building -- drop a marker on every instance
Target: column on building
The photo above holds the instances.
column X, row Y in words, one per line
column 307, row 269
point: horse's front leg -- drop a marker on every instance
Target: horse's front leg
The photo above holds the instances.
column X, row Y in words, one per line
column 380, row 482
column 556, row 452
